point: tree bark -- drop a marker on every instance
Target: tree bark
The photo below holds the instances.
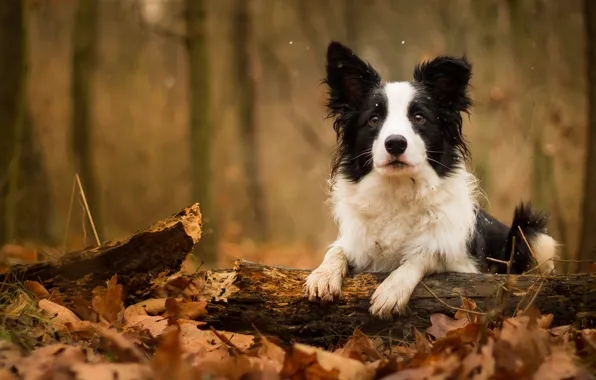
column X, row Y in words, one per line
column 587, row 241
column 13, row 105
column 84, row 40
column 200, row 123
column 270, row 299
column 137, row 261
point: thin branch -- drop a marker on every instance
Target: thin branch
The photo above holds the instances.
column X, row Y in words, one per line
column 497, row 261
column 449, row 306
column 87, row 209
column 533, row 298
column 227, row 341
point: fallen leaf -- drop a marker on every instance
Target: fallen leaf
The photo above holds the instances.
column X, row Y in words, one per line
column 153, row 306
column 123, row 348
column 272, row 352
column 120, row 371
column 440, row 325
column 479, row 365
column 10, row 353
column 37, row 289
column 422, row 344
column 5, row 374
column 359, row 347
column 560, row 365
column 107, row 302
column 83, row 309
column 468, row 305
column 309, row 362
column 153, row 324
column 58, row 316
column 167, row 362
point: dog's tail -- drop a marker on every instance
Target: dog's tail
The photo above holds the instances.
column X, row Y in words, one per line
column 531, row 246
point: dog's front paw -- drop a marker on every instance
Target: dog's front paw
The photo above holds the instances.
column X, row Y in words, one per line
column 323, row 283
column 389, row 299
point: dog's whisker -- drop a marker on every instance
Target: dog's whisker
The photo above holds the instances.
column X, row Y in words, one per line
column 368, row 151
column 440, row 163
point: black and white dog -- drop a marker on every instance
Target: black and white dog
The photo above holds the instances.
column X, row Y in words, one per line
column 401, row 194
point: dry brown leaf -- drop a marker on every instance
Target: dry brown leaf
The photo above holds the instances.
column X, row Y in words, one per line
column 116, row 343
column 239, row 367
column 58, row 316
column 181, row 286
column 469, row 305
column 153, row 324
column 192, row 310
column 10, row 353
column 37, row 289
column 272, row 352
column 172, row 308
column 560, row 365
column 359, row 347
column 107, row 302
column 83, row 309
column 479, row 365
column 120, row 371
column 197, row 341
column 309, row 362
column 440, row 325
column 5, row 374
column 423, row 346
column 167, row 363
column 43, row 362
column 422, row 373
column 153, row 306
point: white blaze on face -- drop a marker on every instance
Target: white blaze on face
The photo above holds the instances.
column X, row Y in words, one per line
column 399, row 95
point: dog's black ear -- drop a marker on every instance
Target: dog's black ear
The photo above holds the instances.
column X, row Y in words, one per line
column 447, row 79
column 349, row 78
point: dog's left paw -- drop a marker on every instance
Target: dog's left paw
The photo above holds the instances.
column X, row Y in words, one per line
column 389, row 299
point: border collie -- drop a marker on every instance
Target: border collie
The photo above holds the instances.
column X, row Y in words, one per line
column 401, row 194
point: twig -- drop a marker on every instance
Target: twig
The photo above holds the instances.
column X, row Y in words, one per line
column 526, row 241
column 227, row 341
column 447, row 305
column 497, row 260
column 538, row 265
column 87, row 209
column 533, row 297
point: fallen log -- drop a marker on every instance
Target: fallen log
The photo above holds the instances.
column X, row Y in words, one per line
column 253, row 297
column 137, row 261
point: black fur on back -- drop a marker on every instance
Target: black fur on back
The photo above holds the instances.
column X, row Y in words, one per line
column 493, row 239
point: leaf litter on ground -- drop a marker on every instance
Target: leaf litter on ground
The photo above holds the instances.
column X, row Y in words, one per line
column 164, row 338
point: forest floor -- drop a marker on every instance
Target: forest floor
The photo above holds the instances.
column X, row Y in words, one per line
column 45, row 335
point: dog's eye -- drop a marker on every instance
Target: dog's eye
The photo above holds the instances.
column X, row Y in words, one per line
column 419, row 119
column 374, row 121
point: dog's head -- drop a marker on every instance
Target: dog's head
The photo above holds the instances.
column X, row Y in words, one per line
column 397, row 128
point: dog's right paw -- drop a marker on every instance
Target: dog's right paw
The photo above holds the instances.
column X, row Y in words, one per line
column 324, row 284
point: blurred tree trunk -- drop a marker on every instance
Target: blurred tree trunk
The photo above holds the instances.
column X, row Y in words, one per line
column 587, row 241
column 13, row 100
column 245, row 97
column 84, row 42
column 34, row 205
column 201, row 132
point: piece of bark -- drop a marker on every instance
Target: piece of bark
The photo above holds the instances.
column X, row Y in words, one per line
column 270, row 299
column 137, row 261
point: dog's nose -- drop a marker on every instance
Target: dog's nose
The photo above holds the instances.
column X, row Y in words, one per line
column 396, row 145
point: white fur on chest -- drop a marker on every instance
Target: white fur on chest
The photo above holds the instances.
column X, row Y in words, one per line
column 384, row 221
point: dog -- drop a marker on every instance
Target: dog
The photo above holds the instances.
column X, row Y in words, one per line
column 401, row 194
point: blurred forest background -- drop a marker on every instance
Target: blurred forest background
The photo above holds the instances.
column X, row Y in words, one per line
column 157, row 104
